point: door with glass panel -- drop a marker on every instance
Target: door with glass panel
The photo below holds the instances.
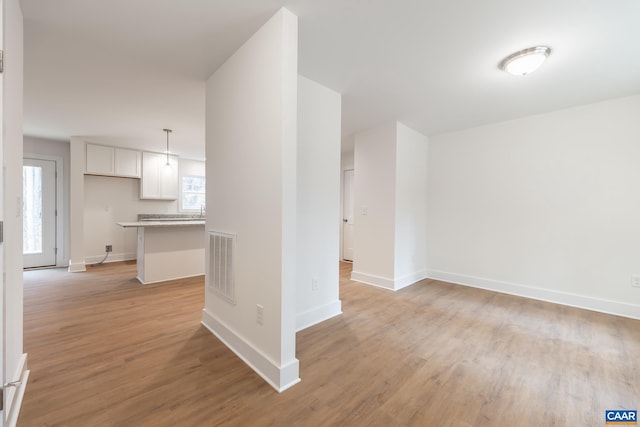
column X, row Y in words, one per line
column 39, row 213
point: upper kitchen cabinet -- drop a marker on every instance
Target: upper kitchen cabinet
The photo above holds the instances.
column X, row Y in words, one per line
column 100, row 160
column 128, row 163
column 112, row 161
column 159, row 181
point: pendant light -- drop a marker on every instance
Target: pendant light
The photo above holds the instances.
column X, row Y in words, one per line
column 168, row 131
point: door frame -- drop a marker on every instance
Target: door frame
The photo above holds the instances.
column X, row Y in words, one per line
column 342, row 223
column 59, row 200
column 12, row 358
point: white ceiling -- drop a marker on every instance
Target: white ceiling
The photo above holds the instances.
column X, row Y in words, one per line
column 120, row 71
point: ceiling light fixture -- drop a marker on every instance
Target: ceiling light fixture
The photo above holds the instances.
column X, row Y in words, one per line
column 168, row 131
column 525, row 61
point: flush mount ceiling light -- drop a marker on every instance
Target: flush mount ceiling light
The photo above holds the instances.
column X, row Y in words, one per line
column 525, row 61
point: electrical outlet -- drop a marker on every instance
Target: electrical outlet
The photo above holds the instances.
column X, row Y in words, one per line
column 635, row 280
column 108, row 248
column 314, row 283
column 259, row 314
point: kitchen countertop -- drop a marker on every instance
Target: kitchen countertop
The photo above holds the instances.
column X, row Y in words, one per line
column 179, row 223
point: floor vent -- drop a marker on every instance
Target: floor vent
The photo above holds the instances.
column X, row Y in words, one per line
column 220, row 279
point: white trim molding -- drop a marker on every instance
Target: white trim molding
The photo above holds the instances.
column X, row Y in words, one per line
column 168, row 279
column 14, row 395
column 318, row 315
column 371, row 279
column 564, row 298
column 124, row 256
column 76, row 267
column 280, row 377
column 409, row 279
column 60, row 205
column 387, row 283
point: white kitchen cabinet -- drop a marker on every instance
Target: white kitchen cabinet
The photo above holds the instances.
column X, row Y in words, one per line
column 100, row 160
column 128, row 163
column 159, row 181
column 112, row 161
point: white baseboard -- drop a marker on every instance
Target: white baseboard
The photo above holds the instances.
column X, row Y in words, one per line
column 279, row 377
column 15, row 395
column 370, row 279
column 409, row 279
column 168, row 279
column 387, row 283
column 318, row 314
column 77, row 267
column 123, row 256
column 565, row 298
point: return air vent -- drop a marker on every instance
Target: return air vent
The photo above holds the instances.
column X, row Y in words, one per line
column 221, row 250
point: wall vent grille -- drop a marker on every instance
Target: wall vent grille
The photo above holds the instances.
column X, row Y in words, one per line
column 221, row 265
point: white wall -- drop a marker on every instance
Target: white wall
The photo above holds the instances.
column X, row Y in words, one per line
column 107, row 201
column 251, row 190
column 54, row 148
column 374, row 204
column 318, row 198
column 411, row 206
column 545, row 206
column 97, row 203
column 390, row 206
column 346, row 160
column 76, row 204
column 12, row 84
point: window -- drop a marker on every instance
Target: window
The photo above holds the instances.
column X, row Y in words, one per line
column 32, row 210
column 193, row 193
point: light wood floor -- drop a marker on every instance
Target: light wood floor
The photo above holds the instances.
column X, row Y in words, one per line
column 106, row 351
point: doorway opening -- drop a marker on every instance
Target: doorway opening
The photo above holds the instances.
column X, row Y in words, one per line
column 348, row 228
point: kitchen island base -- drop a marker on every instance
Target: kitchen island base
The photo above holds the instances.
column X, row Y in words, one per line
column 169, row 253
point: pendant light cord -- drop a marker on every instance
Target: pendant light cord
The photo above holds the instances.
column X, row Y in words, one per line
column 167, row 131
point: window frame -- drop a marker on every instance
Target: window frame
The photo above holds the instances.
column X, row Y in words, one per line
column 183, row 192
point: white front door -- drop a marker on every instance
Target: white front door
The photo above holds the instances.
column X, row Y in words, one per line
column 39, row 213
column 348, row 229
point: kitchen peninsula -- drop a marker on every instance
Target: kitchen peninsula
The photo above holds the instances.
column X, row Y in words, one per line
column 169, row 247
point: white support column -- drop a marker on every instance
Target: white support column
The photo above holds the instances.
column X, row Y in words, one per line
column 390, row 206
column 251, row 191
column 76, row 202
